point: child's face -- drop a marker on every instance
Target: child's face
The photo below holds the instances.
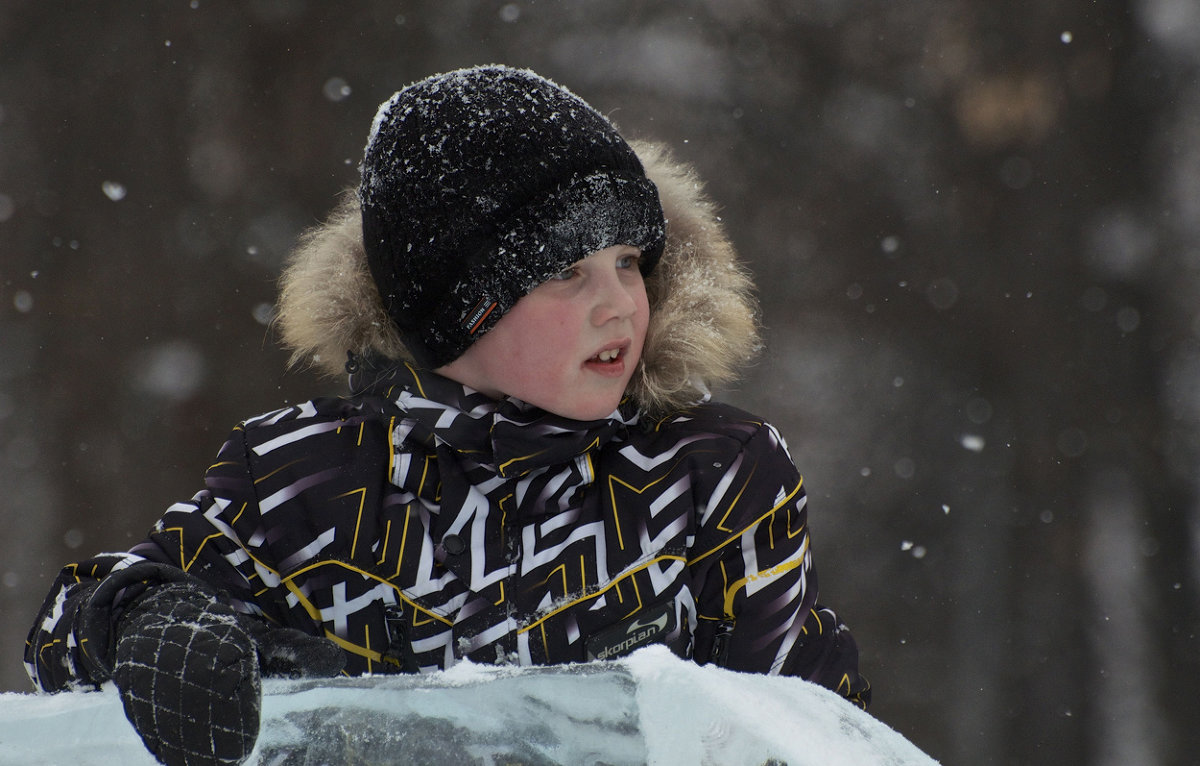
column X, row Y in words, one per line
column 571, row 344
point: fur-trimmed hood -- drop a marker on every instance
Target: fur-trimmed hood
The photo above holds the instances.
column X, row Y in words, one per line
column 703, row 316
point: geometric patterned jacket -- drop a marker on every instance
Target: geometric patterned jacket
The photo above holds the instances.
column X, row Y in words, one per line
column 417, row 522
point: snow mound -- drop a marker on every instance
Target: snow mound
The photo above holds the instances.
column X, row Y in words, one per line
column 649, row 708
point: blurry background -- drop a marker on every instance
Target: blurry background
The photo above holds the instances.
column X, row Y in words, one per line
column 976, row 229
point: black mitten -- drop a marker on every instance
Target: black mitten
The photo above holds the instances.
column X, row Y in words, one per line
column 293, row 653
column 188, row 668
column 188, row 676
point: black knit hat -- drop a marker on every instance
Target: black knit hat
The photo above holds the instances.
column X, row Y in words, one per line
column 480, row 184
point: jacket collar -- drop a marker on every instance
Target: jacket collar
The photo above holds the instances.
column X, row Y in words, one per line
column 508, row 436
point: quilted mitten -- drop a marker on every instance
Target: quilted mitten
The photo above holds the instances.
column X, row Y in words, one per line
column 188, row 669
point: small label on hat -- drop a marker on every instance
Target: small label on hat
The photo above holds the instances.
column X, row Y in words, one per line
column 479, row 313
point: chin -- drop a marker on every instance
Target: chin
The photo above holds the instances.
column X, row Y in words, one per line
column 590, row 411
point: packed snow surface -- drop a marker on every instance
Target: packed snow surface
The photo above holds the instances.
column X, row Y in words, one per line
column 649, row 708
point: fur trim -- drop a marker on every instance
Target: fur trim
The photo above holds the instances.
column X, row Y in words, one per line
column 328, row 304
column 703, row 315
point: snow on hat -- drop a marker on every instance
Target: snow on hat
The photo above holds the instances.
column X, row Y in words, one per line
column 480, row 184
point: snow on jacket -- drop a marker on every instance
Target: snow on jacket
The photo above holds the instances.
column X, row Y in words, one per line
column 419, row 523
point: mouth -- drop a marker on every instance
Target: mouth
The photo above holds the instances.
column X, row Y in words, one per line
column 610, row 358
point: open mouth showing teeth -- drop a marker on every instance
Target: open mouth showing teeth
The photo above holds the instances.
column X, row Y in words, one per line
column 609, row 356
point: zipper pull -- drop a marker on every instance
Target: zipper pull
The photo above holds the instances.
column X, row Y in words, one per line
column 399, row 650
column 720, row 645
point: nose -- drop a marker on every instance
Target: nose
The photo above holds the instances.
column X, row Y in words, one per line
column 614, row 297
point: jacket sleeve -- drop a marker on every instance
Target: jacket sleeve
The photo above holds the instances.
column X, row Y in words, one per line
column 757, row 586
column 69, row 642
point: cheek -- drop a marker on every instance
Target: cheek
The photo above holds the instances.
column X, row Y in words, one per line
column 537, row 358
column 546, row 339
column 641, row 321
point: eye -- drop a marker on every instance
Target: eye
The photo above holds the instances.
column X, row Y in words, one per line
column 629, row 261
column 565, row 274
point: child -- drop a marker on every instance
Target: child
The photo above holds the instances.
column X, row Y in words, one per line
column 527, row 469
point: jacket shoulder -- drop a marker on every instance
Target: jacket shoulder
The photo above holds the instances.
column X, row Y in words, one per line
column 326, row 439
column 708, row 436
column 311, row 417
column 294, row 415
column 717, row 420
column 307, row 471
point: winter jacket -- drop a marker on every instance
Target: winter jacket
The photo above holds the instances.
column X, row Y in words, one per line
column 417, row 523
